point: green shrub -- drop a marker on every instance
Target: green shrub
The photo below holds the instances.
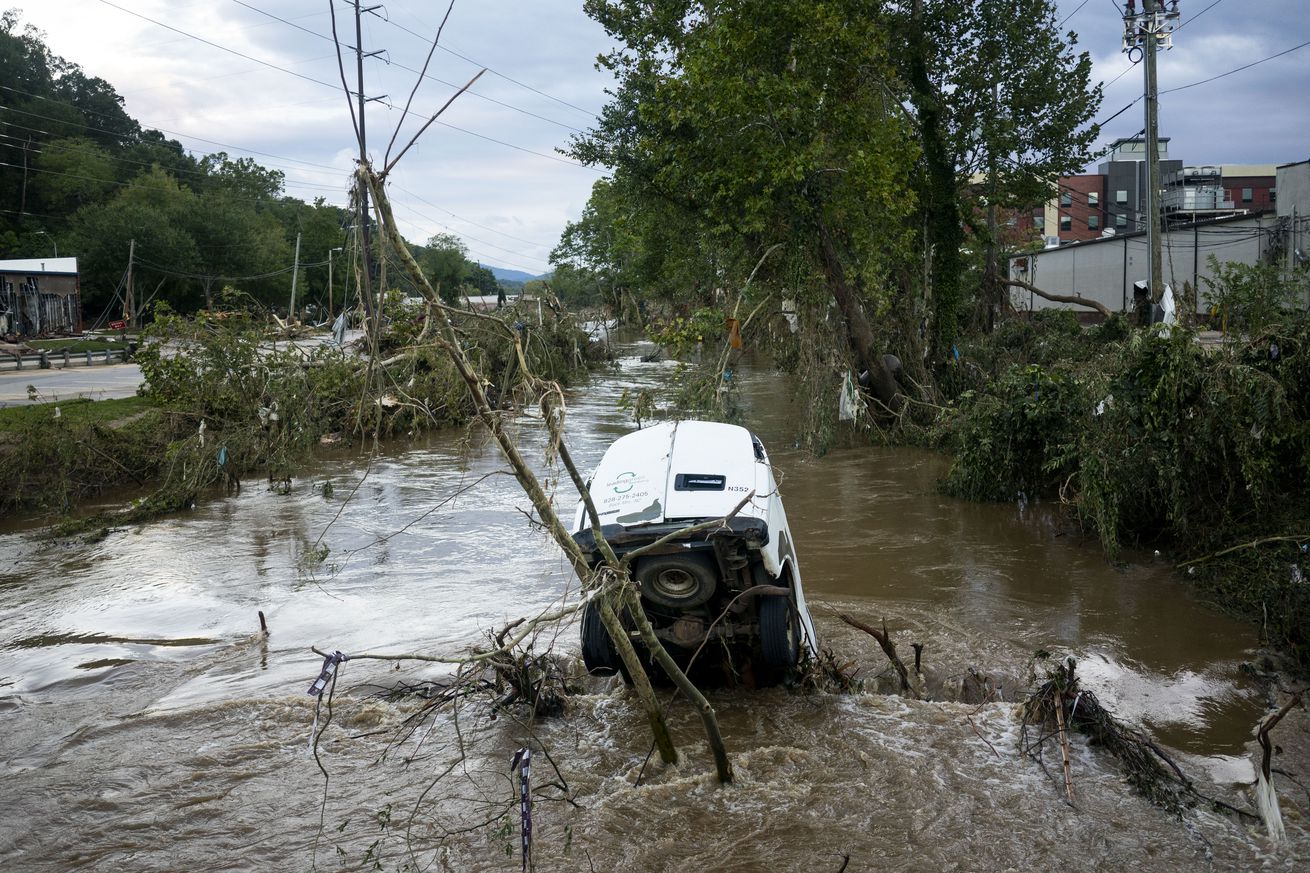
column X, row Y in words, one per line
column 1016, row 438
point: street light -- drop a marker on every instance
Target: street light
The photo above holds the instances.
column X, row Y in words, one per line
column 52, row 240
column 329, row 259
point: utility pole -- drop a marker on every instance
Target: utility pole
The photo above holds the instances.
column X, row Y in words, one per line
column 366, row 248
column 330, row 251
column 994, row 281
column 1144, row 33
column 295, row 272
column 129, row 302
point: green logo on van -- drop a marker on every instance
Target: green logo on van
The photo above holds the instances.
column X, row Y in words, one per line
column 624, row 482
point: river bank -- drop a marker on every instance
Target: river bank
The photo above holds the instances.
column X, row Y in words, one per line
column 220, row 403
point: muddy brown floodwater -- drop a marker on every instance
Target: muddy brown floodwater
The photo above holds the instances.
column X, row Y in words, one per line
column 145, row 725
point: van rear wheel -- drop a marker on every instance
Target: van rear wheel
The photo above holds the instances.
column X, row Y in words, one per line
column 779, row 641
column 598, row 654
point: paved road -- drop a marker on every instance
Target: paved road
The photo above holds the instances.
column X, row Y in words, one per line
column 102, row 382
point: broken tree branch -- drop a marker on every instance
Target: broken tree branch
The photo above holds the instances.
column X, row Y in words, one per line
column 1061, row 298
column 888, row 647
column 1251, row 545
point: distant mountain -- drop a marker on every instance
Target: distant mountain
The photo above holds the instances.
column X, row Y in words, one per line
column 514, row 275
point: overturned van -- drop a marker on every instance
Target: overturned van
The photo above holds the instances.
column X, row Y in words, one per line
column 729, row 596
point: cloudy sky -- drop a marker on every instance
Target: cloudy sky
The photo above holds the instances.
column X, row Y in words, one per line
column 491, row 173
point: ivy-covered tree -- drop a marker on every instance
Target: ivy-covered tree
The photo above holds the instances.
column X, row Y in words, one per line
column 998, row 93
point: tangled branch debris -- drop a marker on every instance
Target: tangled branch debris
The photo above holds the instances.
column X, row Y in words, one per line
column 1060, row 705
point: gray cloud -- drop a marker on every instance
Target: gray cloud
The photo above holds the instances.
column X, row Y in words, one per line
column 510, row 205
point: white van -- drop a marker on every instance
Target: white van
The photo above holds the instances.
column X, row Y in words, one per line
column 716, row 591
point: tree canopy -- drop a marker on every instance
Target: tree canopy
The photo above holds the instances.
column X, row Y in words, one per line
column 78, row 172
column 847, row 131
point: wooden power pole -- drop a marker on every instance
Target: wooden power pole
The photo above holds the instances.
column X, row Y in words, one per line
column 1144, row 33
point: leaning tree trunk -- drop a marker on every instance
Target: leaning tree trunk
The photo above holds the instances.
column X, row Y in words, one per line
column 550, row 518
column 858, row 332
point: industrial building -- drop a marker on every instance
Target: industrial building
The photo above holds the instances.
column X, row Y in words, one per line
column 39, row 297
column 1104, row 269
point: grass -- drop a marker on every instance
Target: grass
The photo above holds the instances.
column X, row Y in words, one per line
column 79, row 345
column 79, row 411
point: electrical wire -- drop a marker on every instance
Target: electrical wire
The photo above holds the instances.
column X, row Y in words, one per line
column 1071, row 14
column 172, row 171
column 1237, row 70
column 494, row 71
column 422, row 75
column 149, row 126
column 334, row 87
column 469, row 220
column 1197, row 15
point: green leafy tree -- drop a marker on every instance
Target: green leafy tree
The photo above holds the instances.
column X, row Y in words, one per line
column 770, row 122
column 70, row 173
column 444, row 261
column 154, row 211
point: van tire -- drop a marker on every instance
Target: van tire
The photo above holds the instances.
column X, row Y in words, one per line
column 598, row 654
column 679, row 581
column 779, row 641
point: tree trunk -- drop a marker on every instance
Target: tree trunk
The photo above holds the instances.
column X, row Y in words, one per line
column 546, row 510
column 945, row 234
column 721, row 763
column 858, row 332
column 640, row 681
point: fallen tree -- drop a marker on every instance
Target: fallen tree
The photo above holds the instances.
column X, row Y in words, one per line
column 1060, row 298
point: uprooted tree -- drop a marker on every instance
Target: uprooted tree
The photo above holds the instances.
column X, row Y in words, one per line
column 609, row 585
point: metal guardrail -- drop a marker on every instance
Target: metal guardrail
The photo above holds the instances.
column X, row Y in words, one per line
column 61, row 359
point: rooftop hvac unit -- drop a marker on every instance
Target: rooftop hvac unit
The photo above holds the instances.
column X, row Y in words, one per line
column 1052, row 242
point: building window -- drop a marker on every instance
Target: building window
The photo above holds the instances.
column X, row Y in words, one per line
column 1247, row 195
column 1121, row 220
column 1066, row 198
column 1066, row 223
column 1039, row 222
column 1093, row 222
column 1273, row 195
column 1121, row 196
column 1093, row 199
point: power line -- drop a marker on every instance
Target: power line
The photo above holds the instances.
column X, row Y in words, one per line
column 495, row 72
column 1071, row 14
column 337, row 88
column 171, row 171
column 407, row 69
column 481, row 256
column 1238, row 70
column 127, row 183
column 474, row 238
column 224, row 145
column 216, row 45
column 469, row 220
column 1197, row 15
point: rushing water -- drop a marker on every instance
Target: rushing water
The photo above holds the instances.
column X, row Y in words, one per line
column 146, row 725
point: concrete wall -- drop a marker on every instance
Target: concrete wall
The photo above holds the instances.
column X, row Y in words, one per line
column 1104, row 270
column 1294, row 189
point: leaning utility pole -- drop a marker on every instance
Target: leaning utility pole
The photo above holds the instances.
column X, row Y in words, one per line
column 365, row 243
column 1145, row 33
column 295, row 273
column 128, row 302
